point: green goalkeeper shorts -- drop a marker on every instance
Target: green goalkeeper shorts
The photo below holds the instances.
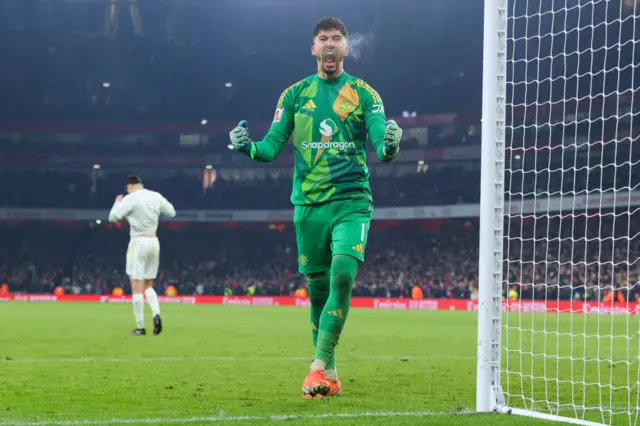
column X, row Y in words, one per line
column 325, row 230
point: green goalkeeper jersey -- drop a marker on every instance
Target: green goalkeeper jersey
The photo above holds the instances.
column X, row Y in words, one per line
column 330, row 121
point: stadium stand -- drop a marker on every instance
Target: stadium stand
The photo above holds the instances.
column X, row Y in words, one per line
column 439, row 256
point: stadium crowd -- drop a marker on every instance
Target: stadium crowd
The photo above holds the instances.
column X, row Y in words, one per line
column 574, row 256
column 90, row 259
column 441, row 257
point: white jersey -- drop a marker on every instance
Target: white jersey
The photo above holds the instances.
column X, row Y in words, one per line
column 142, row 210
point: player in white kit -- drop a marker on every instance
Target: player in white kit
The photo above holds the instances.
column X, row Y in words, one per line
column 142, row 209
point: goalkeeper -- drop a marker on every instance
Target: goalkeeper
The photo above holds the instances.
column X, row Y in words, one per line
column 332, row 113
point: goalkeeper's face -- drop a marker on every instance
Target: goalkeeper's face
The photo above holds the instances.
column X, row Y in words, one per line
column 330, row 48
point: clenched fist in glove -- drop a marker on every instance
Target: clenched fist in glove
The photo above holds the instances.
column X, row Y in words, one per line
column 240, row 139
column 392, row 138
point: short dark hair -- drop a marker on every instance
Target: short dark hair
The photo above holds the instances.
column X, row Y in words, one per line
column 326, row 24
column 133, row 180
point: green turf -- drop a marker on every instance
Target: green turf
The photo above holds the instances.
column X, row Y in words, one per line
column 71, row 361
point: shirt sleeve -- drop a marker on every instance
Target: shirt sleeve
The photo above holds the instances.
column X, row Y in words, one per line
column 375, row 119
column 280, row 131
column 120, row 209
column 166, row 208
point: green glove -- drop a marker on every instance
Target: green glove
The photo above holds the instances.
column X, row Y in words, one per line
column 392, row 138
column 240, row 139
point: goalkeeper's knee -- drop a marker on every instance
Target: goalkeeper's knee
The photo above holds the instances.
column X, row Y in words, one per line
column 318, row 287
column 343, row 274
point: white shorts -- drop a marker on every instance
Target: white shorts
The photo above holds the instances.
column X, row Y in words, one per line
column 143, row 258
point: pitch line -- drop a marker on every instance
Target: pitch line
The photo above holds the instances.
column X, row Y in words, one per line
column 10, row 360
column 224, row 418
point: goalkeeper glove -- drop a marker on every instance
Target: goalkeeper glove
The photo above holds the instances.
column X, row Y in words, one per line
column 240, row 139
column 392, row 138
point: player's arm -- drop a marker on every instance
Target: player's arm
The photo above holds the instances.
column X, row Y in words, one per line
column 120, row 209
column 279, row 133
column 166, row 208
column 385, row 135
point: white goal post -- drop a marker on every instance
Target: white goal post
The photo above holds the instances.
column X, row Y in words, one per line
column 489, row 395
column 559, row 259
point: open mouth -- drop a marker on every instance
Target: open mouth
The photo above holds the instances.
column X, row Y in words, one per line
column 330, row 57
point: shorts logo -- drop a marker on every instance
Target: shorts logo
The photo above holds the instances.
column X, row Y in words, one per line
column 359, row 248
column 278, row 115
column 303, row 260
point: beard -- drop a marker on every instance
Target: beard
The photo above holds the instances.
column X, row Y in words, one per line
column 329, row 71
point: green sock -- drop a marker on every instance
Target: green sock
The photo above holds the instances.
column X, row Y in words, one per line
column 318, row 294
column 334, row 314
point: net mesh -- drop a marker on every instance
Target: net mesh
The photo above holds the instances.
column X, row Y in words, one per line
column 572, row 210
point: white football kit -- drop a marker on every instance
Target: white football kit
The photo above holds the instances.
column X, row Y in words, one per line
column 142, row 210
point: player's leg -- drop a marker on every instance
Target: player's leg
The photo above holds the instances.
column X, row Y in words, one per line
column 135, row 271
column 151, row 272
column 137, row 298
column 349, row 239
column 154, row 305
column 318, row 285
column 313, row 230
column 334, row 315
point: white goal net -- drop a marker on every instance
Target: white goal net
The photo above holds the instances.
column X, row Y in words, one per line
column 569, row 330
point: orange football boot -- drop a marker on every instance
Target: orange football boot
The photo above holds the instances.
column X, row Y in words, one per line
column 336, row 387
column 316, row 384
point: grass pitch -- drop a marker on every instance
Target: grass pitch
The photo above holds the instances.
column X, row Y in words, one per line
column 74, row 364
